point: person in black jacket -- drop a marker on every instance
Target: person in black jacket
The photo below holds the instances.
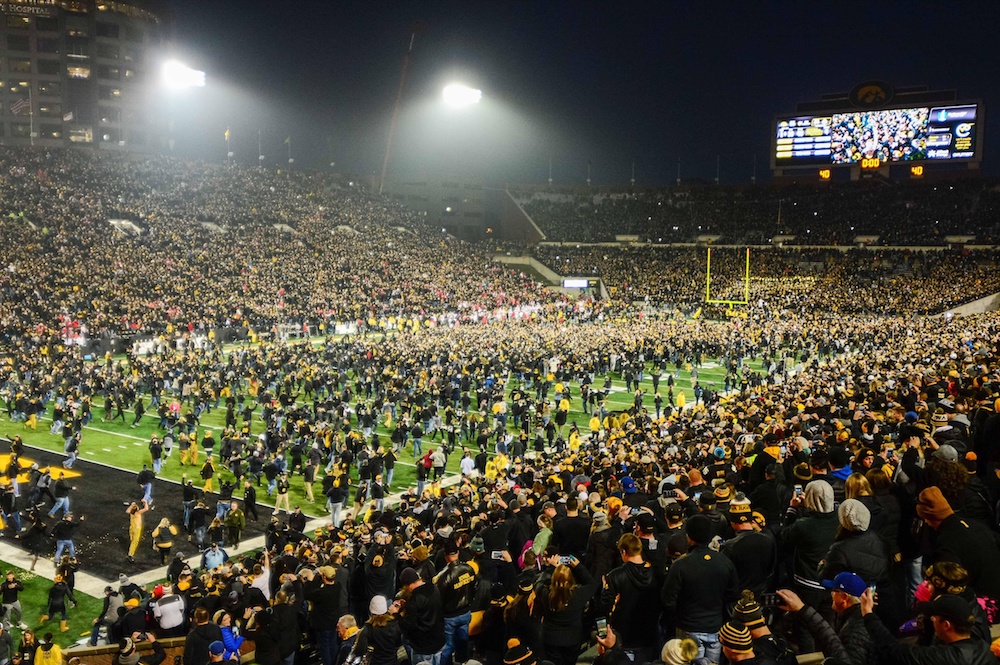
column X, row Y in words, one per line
column 560, row 605
column 262, row 629
column 128, row 653
column 381, row 634
column 58, row 593
column 964, row 542
column 851, row 643
column 698, row 587
column 457, row 583
column 347, row 633
column 324, row 593
column 421, row 617
column 953, row 620
column 631, row 601
column 201, row 636
column 250, row 500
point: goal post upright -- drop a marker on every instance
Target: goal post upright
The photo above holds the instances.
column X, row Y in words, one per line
column 746, row 282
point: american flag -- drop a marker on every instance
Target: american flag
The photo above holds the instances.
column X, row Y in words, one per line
column 20, row 106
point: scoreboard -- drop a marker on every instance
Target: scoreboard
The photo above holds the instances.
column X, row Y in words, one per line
column 879, row 137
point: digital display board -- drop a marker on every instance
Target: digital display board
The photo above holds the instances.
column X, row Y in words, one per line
column 924, row 133
column 576, row 283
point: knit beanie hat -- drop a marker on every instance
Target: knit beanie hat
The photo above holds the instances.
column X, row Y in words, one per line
column 739, row 509
column 854, row 515
column 679, row 652
column 735, row 636
column 518, row 654
column 748, row 611
column 931, row 504
column 699, row 529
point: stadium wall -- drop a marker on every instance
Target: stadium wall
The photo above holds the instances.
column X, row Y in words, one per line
column 990, row 303
column 516, row 224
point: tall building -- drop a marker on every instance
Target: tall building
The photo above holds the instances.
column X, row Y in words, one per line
column 79, row 73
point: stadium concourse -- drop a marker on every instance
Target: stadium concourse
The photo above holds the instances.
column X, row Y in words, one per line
column 820, row 475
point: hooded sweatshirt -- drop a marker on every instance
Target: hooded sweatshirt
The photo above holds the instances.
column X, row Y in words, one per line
column 631, row 601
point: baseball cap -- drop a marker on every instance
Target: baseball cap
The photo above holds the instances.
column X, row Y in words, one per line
column 953, row 608
column 645, row 522
column 849, row 583
column 217, row 648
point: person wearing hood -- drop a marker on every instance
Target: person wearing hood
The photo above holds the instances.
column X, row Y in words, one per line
column 810, row 529
column 48, row 652
column 177, row 564
column 128, row 652
column 630, row 598
column 601, row 548
column 964, row 542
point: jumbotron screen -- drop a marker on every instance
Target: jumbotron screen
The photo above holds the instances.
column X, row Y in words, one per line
column 928, row 133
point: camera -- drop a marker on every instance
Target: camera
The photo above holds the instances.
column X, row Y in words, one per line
column 497, row 555
column 769, row 600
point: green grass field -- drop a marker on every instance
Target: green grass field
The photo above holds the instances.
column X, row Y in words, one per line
column 34, row 600
column 117, row 444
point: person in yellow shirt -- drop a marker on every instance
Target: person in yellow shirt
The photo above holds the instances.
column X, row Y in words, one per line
column 574, row 439
column 595, row 424
column 135, row 512
column 48, row 653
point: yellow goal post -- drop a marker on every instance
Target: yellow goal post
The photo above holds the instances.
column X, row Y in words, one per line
column 708, row 283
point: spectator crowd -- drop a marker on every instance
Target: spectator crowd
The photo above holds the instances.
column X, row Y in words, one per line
column 837, row 494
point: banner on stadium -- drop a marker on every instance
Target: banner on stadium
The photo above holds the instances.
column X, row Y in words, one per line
column 43, row 8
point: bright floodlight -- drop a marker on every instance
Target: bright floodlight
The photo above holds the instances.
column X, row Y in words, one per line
column 457, row 94
column 177, row 75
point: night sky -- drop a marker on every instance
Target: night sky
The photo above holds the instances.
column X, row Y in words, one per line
column 605, row 82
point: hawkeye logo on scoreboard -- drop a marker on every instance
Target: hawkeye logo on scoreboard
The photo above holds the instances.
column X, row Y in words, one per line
column 871, row 94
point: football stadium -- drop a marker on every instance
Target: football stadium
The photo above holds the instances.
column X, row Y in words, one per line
column 440, row 388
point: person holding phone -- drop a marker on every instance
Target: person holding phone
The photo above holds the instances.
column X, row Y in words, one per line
column 630, row 599
column 559, row 606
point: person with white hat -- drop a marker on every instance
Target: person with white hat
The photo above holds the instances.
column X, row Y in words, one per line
column 381, row 634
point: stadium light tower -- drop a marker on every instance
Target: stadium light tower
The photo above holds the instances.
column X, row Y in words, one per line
column 177, row 76
column 460, row 96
